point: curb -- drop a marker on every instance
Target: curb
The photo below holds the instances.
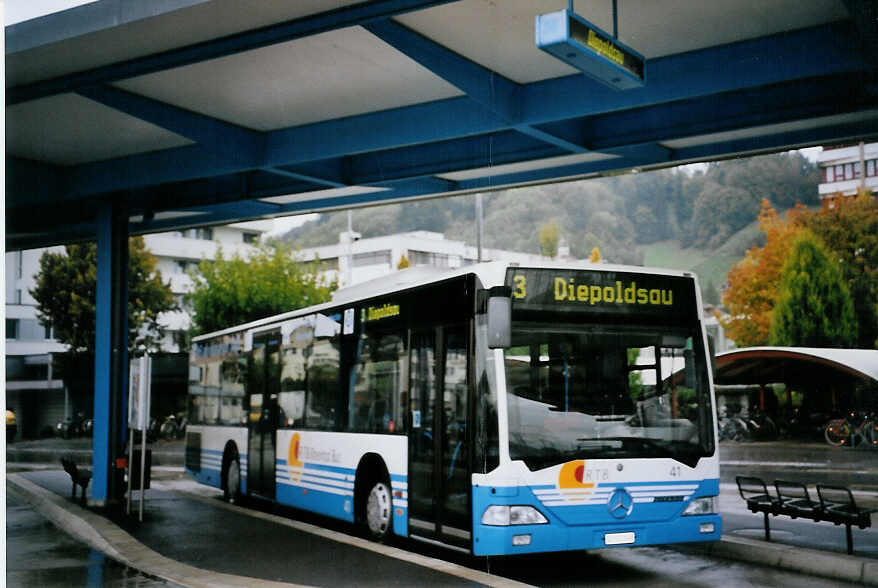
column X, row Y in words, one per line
column 833, row 566
column 102, row 535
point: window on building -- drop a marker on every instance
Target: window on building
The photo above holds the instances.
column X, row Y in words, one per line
column 250, row 238
column 372, row 258
column 12, row 328
column 181, row 266
column 428, row 258
column 849, row 171
column 828, row 174
column 839, row 173
column 330, row 263
column 858, row 170
column 870, row 167
column 204, row 233
column 47, row 332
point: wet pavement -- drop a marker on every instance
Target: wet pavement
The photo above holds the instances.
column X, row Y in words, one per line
column 811, row 463
column 39, row 554
column 188, row 523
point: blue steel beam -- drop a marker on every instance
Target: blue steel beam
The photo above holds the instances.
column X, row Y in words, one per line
column 111, row 348
column 29, row 181
column 625, row 134
column 817, row 52
column 83, row 20
column 635, row 156
column 487, row 87
column 808, row 53
column 320, row 181
column 863, row 130
column 211, row 133
column 357, row 14
column 865, row 15
column 785, row 102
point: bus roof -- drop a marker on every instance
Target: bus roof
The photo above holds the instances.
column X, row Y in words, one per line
column 490, row 274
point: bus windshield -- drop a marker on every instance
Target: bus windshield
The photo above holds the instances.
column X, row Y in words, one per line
column 607, row 392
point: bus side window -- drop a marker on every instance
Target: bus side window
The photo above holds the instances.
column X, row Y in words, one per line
column 379, row 376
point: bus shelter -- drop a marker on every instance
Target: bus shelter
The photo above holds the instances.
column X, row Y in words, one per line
column 126, row 118
column 829, row 380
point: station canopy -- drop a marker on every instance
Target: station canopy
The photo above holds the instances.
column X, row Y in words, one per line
column 192, row 112
column 806, row 366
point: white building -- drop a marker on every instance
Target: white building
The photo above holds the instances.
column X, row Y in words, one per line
column 354, row 260
column 38, row 397
column 179, row 251
column 842, row 169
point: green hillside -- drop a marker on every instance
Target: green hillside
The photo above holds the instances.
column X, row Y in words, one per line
column 708, row 265
column 703, row 221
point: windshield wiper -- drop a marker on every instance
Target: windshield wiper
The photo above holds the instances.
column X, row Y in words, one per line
column 656, row 448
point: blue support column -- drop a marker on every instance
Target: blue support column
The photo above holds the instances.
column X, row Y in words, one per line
column 111, row 350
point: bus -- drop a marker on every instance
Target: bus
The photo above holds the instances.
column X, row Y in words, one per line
column 494, row 409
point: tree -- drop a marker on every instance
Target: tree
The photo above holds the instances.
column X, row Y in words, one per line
column 403, row 262
column 814, row 308
column 753, row 282
column 595, row 256
column 234, row 291
column 550, row 235
column 65, row 294
column 849, row 228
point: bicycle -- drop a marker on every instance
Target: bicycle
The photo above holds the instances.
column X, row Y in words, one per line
column 845, row 432
column 732, row 427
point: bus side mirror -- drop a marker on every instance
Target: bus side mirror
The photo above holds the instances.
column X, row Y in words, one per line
column 500, row 317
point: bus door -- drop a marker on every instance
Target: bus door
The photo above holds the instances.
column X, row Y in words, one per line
column 262, row 420
column 439, row 454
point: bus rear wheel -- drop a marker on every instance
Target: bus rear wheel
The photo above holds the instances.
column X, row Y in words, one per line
column 379, row 511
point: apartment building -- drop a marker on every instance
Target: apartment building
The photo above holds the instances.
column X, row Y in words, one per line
column 847, row 168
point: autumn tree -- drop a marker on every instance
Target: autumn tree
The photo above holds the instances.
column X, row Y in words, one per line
column 550, row 236
column 753, row 282
column 238, row 290
column 65, row 292
column 814, row 307
column 403, row 263
column 595, row 256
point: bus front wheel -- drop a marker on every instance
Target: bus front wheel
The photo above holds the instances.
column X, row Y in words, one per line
column 379, row 511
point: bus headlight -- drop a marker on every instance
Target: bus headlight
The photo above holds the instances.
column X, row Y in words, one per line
column 499, row 515
column 701, row 506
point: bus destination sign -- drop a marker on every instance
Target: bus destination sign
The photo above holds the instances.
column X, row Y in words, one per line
column 601, row 292
column 574, row 40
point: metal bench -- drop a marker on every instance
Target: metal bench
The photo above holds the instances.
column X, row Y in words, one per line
column 835, row 504
column 755, row 493
column 80, row 477
column 838, row 507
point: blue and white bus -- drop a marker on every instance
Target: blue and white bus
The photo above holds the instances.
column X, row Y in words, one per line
column 495, row 409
